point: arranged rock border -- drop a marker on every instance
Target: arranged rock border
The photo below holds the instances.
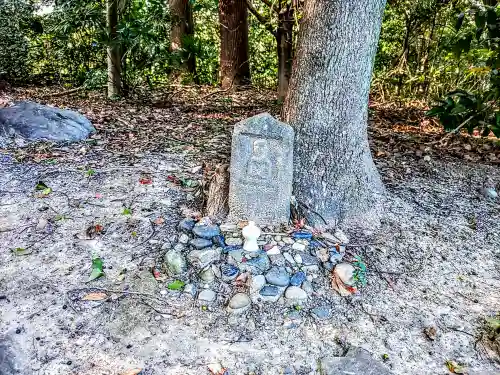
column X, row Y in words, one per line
column 289, row 261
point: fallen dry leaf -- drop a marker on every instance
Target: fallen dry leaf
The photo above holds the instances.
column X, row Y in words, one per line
column 455, row 368
column 431, row 332
column 339, row 286
column 95, row 296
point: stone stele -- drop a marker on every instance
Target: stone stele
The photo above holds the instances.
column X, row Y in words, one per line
column 261, row 170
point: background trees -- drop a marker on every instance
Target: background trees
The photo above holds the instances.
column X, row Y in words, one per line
column 181, row 33
column 280, row 24
column 422, row 55
column 15, row 16
column 113, row 50
column 234, row 60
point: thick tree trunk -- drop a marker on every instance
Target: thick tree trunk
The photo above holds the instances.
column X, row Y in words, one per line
column 327, row 104
column 181, row 27
column 234, row 65
column 284, row 39
column 113, row 51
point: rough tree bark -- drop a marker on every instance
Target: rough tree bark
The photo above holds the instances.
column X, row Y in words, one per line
column 181, row 26
column 327, row 105
column 233, row 23
column 217, row 193
column 113, row 50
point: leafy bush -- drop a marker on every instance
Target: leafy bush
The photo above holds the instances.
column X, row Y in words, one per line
column 465, row 110
column 14, row 45
column 478, row 109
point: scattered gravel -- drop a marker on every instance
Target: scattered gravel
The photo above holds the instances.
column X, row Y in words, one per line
column 435, row 259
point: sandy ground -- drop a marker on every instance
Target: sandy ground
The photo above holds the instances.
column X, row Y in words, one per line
column 435, row 262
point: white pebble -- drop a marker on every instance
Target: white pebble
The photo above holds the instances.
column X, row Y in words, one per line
column 298, row 246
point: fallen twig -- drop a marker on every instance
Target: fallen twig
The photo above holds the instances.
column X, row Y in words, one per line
column 63, row 93
column 454, row 131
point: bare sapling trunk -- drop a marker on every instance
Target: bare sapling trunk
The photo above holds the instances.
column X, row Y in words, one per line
column 182, row 28
column 233, row 23
column 327, row 105
column 113, row 51
column 284, row 40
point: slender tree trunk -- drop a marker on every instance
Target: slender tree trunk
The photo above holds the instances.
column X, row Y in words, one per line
column 425, row 61
column 284, row 39
column 113, row 51
column 234, row 65
column 327, row 104
column 403, row 62
column 182, row 27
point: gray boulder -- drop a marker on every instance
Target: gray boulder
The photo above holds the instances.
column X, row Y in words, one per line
column 27, row 122
column 357, row 362
column 11, row 361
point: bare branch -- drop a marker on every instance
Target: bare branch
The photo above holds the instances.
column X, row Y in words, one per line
column 260, row 17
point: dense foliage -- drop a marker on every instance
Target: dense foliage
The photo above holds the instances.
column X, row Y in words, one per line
column 15, row 30
column 428, row 48
column 477, row 108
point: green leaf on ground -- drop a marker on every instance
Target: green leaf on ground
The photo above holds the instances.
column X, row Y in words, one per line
column 176, row 285
column 97, row 271
column 21, row 251
column 43, row 188
column 40, row 185
column 127, row 211
column 90, row 173
column 46, row 191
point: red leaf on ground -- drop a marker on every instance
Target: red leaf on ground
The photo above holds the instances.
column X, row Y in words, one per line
column 145, row 181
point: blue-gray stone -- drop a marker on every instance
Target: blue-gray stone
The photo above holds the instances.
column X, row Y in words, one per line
column 186, row 225
column 257, row 265
column 200, row 243
column 269, row 290
column 490, row 193
column 11, row 359
column 229, row 272
column 298, row 278
column 357, row 362
column 328, row 266
column 322, row 312
column 314, row 243
column 228, row 249
column 335, row 256
column 206, row 231
column 309, row 260
column 190, row 289
column 302, row 235
column 27, row 122
column 278, row 276
column 219, row 240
